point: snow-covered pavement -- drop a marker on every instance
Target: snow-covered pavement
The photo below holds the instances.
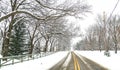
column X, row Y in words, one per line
column 112, row 62
column 43, row 63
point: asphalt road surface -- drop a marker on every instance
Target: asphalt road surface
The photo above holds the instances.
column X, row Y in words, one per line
column 78, row 62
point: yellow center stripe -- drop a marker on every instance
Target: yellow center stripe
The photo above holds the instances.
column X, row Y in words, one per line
column 76, row 64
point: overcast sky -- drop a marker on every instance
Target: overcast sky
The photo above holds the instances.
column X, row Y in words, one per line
column 98, row 7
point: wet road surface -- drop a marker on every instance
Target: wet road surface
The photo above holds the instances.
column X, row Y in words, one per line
column 78, row 62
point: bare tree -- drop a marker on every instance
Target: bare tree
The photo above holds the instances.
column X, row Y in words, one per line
column 33, row 34
column 14, row 5
column 104, row 30
column 114, row 31
column 46, row 10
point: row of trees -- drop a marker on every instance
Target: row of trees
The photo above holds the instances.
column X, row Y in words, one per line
column 29, row 25
column 104, row 35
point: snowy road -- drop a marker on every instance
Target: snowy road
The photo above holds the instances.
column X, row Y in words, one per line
column 77, row 62
column 62, row 61
column 87, row 64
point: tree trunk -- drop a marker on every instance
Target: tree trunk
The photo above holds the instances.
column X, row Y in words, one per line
column 106, row 44
column 51, row 45
column 46, row 46
column 107, row 48
column 115, row 48
column 5, row 46
column 31, row 48
column 100, row 48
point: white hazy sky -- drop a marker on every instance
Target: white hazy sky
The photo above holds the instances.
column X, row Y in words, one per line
column 98, row 7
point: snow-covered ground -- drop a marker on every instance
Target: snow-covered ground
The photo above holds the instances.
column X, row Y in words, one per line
column 112, row 62
column 43, row 63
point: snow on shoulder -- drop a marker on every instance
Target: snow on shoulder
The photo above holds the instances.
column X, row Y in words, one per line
column 43, row 63
column 112, row 62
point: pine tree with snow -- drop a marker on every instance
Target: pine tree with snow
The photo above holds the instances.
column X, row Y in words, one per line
column 18, row 39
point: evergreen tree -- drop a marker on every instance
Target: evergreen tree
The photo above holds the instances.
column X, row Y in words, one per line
column 18, row 39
